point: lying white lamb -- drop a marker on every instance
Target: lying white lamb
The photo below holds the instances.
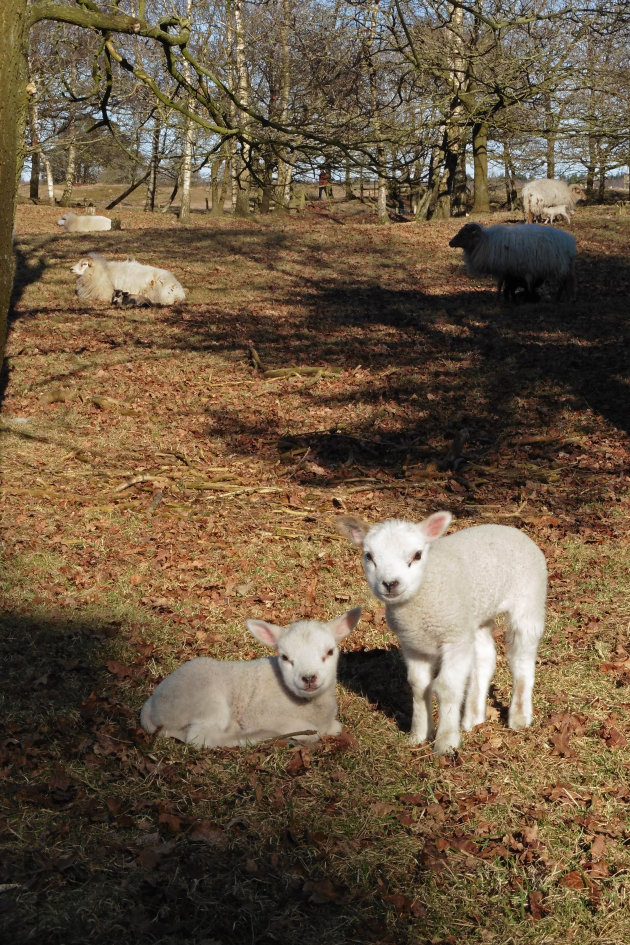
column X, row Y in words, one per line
column 86, row 223
column 100, row 279
column 209, row 702
column 442, row 596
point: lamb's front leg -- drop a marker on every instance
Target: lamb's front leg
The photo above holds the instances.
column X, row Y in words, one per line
column 420, row 673
column 450, row 688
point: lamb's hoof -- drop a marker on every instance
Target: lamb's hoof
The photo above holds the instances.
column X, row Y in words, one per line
column 517, row 721
column 446, row 744
column 469, row 724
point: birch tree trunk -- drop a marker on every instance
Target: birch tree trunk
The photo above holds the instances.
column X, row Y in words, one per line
column 68, row 184
column 187, row 147
column 285, row 166
column 240, row 159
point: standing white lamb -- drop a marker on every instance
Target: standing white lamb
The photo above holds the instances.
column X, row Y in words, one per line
column 538, row 194
column 100, row 279
column 87, row 223
column 442, row 596
column 209, row 702
column 551, row 214
column 523, row 255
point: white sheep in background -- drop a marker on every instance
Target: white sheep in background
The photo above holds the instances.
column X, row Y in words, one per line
column 100, row 278
column 550, row 214
column 538, row 194
column 213, row 703
column 442, row 596
column 87, row 223
column 520, row 255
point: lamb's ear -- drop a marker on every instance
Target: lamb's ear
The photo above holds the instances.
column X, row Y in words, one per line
column 342, row 626
column 267, row 633
column 435, row 525
column 353, row 528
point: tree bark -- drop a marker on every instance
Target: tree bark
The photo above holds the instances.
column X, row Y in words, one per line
column 13, row 113
column 187, row 149
column 240, row 159
column 71, row 166
column 149, row 204
column 480, row 162
column 510, row 175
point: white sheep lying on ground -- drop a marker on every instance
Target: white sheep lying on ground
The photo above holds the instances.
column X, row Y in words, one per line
column 538, row 194
column 442, row 596
column 210, row 702
column 520, row 255
column 87, row 223
column 550, row 214
column 100, row 278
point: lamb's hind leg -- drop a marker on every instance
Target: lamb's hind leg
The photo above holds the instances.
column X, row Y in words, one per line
column 521, row 647
column 420, row 673
column 482, row 671
column 450, row 688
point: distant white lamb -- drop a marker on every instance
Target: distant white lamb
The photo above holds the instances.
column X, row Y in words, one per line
column 100, row 279
column 550, row 214
column 213, row 703
column 442, row 596
column 86, row 223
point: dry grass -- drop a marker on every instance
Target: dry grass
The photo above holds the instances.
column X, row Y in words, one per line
column 158, row 489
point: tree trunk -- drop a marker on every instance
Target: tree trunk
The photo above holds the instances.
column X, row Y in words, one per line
column 149, row 203
column 71, row 167
column 446, row 169
column 510, row 174
column 552, row 124
column 33, row 122
column 348, row 181
column 50, row 182
column 267, row 181
column 33, row 184
column 285, row 165
column 240, row 159
column 215, row 167
column 187, row 148
column 591, row 166
column 459, row 204
column 13, row 114
column 480, row 163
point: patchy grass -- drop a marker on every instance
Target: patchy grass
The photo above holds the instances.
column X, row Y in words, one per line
column 159, row 487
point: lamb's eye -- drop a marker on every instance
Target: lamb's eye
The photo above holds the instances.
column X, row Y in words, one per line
column 368, row 556
column 285, row 658
column 417, row 556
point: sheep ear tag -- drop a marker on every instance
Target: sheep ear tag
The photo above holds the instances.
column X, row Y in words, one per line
column 435, row 525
